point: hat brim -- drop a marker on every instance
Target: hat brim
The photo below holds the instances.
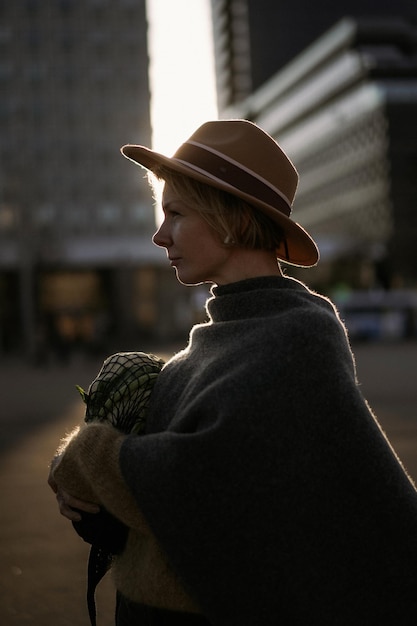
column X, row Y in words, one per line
column 300, row 249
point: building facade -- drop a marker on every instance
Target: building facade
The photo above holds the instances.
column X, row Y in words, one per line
column 254, row 39
column 343, row 108
column 76, row 260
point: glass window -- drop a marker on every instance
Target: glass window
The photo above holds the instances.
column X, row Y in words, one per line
column 45, row 214
column 7, row 217
column 109, row 213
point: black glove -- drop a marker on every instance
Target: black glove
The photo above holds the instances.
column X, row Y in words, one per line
column 102, row 530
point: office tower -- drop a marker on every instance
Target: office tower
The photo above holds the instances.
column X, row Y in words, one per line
column 74, row 217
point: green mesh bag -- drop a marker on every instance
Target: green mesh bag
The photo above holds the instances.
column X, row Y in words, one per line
column 120, row 393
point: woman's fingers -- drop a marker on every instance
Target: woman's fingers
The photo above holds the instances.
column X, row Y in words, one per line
column 68, row 503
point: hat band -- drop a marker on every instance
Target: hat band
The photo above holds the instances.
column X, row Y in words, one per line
column 217, row 167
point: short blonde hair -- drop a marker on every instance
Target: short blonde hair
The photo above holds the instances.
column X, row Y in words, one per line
column 235, row 221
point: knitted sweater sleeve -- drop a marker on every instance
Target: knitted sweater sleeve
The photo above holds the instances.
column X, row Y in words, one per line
column 88, row 468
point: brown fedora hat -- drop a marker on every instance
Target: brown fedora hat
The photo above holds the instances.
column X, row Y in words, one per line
column 239, row 157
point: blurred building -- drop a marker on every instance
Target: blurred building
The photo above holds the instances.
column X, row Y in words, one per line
column 341, row 97
column 253, row 39
column 76, row 259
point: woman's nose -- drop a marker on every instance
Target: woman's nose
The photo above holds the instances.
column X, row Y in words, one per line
column 161, row 238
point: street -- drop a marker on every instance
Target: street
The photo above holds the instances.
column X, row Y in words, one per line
column 43, row 562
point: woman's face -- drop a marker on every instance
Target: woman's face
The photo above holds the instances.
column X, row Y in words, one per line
column 193, row 249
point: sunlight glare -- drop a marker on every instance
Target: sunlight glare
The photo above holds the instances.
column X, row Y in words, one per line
column 181, row 70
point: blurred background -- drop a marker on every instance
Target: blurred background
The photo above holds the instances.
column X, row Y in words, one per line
column 335, row 84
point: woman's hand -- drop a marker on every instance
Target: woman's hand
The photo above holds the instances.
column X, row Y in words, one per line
column 66, row 502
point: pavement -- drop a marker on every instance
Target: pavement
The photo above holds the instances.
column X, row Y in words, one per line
column 43, row 562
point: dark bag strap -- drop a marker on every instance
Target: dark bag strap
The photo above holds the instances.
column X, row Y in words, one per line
column 107, row 536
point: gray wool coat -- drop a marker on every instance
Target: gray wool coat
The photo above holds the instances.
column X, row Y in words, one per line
column 266, row 478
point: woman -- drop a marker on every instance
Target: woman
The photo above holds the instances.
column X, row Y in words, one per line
column 264, row 491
